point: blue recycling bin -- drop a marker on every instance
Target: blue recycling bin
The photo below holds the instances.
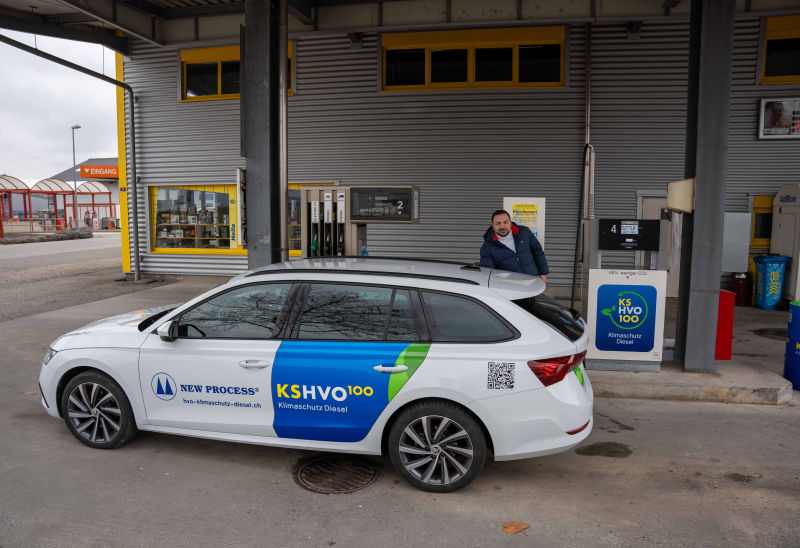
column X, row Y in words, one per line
column 770, row 271
column 791, row 364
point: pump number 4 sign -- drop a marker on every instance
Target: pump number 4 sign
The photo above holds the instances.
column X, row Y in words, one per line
column 626, row 312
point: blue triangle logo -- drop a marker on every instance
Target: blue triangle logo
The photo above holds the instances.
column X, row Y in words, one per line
column 169, row 388
column 159, row 389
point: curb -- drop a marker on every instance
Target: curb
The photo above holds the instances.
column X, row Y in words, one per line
column 775, row 395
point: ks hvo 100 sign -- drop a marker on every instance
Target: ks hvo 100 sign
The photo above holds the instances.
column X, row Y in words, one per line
column 625, row 318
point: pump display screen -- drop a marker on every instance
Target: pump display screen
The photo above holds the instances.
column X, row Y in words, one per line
column 638, row 235
column 380, row 204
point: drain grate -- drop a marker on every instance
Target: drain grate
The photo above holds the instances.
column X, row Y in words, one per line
column 336, row 474
column 777, row 334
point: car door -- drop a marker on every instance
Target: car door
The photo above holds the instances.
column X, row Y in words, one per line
column 216, row 375
column 352, row 350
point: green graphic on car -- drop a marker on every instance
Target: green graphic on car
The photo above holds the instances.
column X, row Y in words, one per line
column 412, row 357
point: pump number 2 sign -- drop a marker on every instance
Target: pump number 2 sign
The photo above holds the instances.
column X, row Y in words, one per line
column 626, row 311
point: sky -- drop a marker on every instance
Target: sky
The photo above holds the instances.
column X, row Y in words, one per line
column 40, row 101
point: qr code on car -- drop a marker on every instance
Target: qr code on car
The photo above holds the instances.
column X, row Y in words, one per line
column 500, row 375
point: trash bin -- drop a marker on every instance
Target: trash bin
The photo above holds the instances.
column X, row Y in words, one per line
column 791, row 363
column 740, row 285
column 724, row 346
column 770, row 270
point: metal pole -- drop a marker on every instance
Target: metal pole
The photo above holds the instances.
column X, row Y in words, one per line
column 75, row 176
column 283, row 125
column 713, row 117
column 126, row 87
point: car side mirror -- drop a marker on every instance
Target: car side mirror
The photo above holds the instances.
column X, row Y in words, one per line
column 168, row 331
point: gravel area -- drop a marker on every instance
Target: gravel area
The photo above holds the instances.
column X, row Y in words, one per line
column 40, row 289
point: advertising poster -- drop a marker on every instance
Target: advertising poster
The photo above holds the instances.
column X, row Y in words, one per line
column 528, row 212
column 780, row 118
column 626, row 314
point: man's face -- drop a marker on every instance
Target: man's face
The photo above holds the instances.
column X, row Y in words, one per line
column 501, row 225
column 777, row 113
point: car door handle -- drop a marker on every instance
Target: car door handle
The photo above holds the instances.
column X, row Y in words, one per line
column 254, row 364
column 390, row 368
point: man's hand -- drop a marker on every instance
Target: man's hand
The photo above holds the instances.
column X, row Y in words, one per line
column 543, row 277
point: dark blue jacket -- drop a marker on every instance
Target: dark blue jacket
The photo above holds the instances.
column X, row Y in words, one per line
column 529, row 258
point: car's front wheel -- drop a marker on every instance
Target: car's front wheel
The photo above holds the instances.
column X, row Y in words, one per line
column 97, row 411
column 437, row 447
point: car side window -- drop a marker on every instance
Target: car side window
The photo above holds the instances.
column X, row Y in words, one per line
column 249, row 312
column 457, row 319
column 345, row 312
column 402, row 322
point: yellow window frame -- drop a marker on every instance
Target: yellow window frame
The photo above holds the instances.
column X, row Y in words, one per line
column 218, row 55
column 779, row 28
column 761, row 204
column 232, row 220
column 472, row 40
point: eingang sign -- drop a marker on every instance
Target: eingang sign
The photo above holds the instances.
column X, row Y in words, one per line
column 99, row 172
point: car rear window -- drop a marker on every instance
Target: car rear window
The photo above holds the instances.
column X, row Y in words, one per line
column 558, row 316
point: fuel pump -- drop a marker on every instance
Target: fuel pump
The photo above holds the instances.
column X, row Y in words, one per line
column 626, row 305
column 334, row 219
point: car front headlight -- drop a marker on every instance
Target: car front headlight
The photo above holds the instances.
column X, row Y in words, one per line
column 49, row 355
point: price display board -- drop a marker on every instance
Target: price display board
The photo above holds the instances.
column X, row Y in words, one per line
column 636, row 234
column 380, row 204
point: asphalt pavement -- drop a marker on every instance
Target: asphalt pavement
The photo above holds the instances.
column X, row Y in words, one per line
column 46, row 276
column 652, row 473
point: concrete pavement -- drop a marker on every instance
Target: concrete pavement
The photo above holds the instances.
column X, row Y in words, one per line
column 46, row 276
column 704, row 474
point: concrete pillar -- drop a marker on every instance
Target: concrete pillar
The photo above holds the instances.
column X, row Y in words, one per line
column 261, row 133
column 708, row 114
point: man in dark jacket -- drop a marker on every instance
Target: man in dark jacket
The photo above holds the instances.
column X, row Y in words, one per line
column 507, row 246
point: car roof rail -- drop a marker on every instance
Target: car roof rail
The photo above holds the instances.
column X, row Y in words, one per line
column 440, row 261
column 362, row 273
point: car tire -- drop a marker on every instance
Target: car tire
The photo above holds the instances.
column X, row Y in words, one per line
column 420, row 457
column 97, row 411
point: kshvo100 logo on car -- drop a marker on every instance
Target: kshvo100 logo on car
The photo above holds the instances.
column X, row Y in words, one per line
column 626, row 318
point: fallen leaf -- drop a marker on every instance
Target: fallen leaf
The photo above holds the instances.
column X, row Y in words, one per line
column 511, row 527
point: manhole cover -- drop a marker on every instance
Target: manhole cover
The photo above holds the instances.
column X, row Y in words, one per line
column 332, row 475
column 777, row 334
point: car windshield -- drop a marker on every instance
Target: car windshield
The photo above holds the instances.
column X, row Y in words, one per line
column 558, row 316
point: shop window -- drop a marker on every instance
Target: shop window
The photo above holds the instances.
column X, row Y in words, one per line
column 405, row 67
column 449, row 65
column 781, row 61
column 539, row 63
column 494, row 64
column 474, row 59
column 209, row 74
column 194, row 219
column 761, row 227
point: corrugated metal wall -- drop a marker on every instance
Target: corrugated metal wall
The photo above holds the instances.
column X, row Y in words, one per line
column 638, row 115
column 755, row 166
column 179, row 144
column 467, row 149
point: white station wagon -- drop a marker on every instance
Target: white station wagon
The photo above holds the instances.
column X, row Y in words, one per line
column 431, row 362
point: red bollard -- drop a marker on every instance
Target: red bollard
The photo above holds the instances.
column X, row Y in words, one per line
column 724, row 345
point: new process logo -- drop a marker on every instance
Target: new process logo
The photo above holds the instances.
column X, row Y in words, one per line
column 625, row 318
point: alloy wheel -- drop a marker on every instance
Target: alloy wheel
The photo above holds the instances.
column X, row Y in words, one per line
column 94, row 412
column 436, row 450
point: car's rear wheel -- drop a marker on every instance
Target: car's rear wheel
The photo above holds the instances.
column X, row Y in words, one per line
column 97, row 411
column 437, row 447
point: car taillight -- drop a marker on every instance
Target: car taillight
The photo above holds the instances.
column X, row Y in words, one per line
column 553, row 370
